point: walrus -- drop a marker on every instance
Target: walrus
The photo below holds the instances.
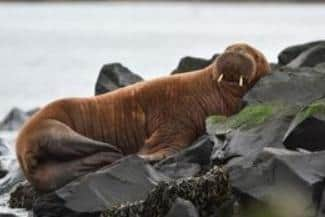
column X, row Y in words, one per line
column 71, row 137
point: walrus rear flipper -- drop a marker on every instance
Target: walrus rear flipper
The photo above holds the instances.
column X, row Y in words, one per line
column 55, row 155
column 53, row 175
column 66, row 144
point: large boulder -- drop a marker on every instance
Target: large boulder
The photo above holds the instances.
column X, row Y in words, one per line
column 130, row 177
column 253, row 147
column 113, row 76
column 294, row 86
column 290, row 53
column 127, row 180
column 121, row 191
column 309, row 58
column 243, row 136
column 189, row 63
column 289, row 183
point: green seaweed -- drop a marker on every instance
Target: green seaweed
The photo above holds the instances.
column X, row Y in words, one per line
column 315, row 108
column 249, row 117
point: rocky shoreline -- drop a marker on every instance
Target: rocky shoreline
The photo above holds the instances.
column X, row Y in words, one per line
column 267, row 160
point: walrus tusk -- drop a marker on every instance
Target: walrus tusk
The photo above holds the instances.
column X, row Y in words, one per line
column 241, row 81
column 220, row 78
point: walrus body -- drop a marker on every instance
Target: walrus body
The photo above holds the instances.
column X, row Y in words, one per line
column 71, row 137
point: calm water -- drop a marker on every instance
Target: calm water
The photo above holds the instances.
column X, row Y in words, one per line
column 53, row 50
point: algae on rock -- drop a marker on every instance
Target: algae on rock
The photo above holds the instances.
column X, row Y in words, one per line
column 251, row 116
column 208, row 193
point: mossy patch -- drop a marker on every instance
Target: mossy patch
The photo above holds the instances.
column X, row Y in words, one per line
column 249, row 117
column 317, row 108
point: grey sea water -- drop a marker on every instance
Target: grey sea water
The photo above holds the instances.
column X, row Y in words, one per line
column 54, row 50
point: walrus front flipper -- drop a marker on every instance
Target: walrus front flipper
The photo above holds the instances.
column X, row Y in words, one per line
column 166, row 141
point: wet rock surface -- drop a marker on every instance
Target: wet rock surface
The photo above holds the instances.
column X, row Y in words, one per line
column 131, row 177
column 113, row 76
column 189, row 63
column 294, row 86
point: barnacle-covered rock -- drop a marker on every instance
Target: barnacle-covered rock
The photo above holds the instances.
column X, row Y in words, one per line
column 207, row 193
column 23, row 196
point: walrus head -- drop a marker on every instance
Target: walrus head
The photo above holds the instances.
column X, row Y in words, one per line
column 241, row 65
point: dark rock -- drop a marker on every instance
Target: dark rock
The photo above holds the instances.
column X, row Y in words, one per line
column 285, row 180
column 7, row 215
column 189, row 63
column 320, row 67
column 23, row 196
column 309, row 58
column 15, row 119
column 290, row 53
column 113, row 76
column 3, row 172
column 182, row 208
column 321, row 211
column 208, row 193
column 188, row 162
column 50, row 205
column 243, row 136
column 129, row 179
column 294, row 86
column 307, row 130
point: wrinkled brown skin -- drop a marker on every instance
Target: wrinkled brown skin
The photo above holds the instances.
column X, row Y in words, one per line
column 72, row 137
